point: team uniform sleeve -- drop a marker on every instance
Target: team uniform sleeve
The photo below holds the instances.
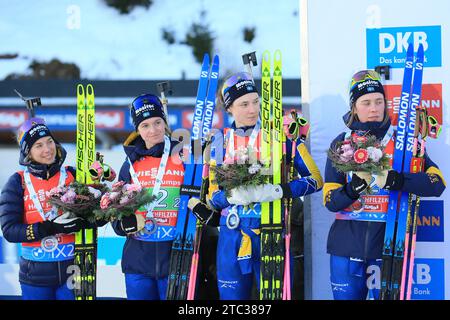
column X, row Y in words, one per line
column 429, row 183
column 216, row 196
column 337, row 194
column 310, row 181
column 11, row 214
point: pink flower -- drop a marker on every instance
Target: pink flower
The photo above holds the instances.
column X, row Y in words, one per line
column 54, row 191
column 124, row 200
column 95, row 192
column 359, row 139
column 118, row 185
column 105, row 201
column 133, row 187
column 361, row 156
column 114, row 195
column 69, row 196
column 347, row 153
column 229, row 161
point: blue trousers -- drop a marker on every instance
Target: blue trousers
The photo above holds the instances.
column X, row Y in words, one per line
column 142, row 287
column 235, row 277
column 352, row 279
column 30, row 292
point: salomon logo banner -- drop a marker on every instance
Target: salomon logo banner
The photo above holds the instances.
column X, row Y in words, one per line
column 387, row 46
column 431, row 100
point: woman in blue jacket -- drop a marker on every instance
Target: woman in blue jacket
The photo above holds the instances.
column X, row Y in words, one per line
column 355, row 240
column 46, row 236
column 151, row 163
column 238, row 250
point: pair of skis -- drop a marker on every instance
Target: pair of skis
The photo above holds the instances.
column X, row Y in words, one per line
column 272, row 247
column 399, row 241
column 85, row 239
column 182, row 278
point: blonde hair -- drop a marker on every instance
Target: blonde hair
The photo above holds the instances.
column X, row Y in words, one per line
column 354, row 117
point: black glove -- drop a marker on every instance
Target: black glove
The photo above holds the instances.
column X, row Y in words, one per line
column 358, row 184
column 203, row 213
column 62, row 224
column 394, row 180
column 132, row 223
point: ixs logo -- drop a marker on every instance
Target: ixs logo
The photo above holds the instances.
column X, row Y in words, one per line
column 430, row 223
column 387, row 46
column 431, row 100
column 428, row 279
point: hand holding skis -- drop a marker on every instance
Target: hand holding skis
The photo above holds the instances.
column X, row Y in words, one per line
column 204, row 213
column 390, row 180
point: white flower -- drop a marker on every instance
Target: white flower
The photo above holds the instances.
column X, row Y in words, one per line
column 375, row 154
column 254, row 168
column 95, row 192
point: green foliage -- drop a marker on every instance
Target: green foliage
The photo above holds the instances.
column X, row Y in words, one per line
column 54, row 69
column 229, row 176
column 125, row 6
column 200, row 38
column 118, row 211
column 249, row 34
column 168, row 36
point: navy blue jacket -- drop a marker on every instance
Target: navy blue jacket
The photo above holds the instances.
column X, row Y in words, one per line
column 143, row 257
column 363, row 239
column 14, row 229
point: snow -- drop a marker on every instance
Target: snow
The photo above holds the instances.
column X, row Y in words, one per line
column 110, row 46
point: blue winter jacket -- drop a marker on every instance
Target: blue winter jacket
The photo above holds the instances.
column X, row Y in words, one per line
column 14, row 229
column 364, row 239
column 143, row 257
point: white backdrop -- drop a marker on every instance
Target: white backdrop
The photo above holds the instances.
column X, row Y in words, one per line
column 339, row 38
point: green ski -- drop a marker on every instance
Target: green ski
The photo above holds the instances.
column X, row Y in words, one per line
column 85, row 239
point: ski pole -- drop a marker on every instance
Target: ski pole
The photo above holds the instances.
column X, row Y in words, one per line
column 163, row 89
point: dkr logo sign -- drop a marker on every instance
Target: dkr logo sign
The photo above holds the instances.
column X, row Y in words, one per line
column 431, row 100
column 430, row 223
column 428, row 279
column 387, row 46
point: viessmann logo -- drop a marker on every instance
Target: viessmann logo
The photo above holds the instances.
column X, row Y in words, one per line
column 430, row 223
column 387, row 46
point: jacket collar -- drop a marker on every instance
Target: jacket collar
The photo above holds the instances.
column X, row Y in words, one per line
column 376, row 128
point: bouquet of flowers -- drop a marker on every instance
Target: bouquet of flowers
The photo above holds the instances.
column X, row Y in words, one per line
column 79, row 199
column 359, row 154
column 122, row 200
column 242, row 170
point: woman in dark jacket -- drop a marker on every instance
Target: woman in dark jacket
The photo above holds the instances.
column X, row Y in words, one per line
column 150, row 232
column 46, row 235
column 356, row 238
